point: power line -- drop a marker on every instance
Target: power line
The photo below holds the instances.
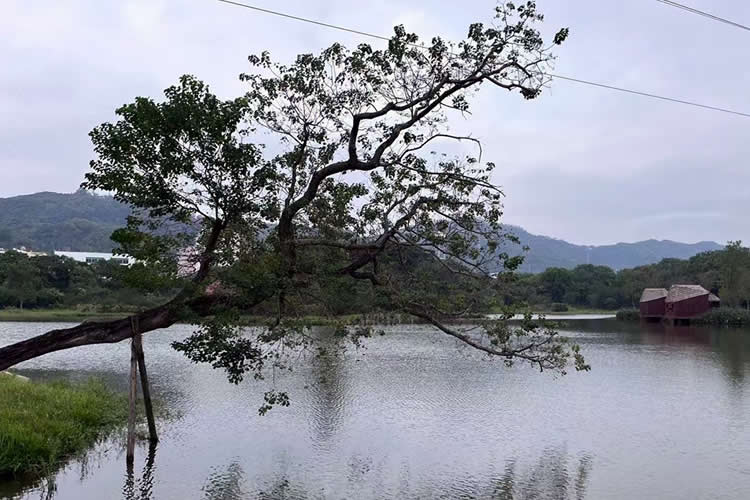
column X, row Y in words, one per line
column 653, row 96
column 704, row 14
column 561, row 77
column 303, row 19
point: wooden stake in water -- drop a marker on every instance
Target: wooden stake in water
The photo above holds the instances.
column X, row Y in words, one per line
column 132, row 393
column 145, row 388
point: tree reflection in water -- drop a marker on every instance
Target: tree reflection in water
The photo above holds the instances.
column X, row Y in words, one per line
column 555, row 475
column 549, row 478
column 228, row 484
column 327, row 390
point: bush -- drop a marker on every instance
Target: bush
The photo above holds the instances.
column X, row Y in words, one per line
column 559, row 307
column 610, row 303
column 628, row 315
column 725, row 316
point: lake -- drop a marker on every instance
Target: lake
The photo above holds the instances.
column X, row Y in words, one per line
column 664, row 414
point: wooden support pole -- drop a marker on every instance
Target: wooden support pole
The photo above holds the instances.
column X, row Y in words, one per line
column 132, row 393
column 145, row 388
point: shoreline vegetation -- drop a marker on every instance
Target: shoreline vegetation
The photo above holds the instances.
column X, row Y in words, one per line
column 57, row 289
column 724, row 316
column 58, row 315
column 76, row 315
column 42, row 425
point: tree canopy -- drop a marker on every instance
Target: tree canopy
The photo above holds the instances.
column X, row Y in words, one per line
column 347, row 190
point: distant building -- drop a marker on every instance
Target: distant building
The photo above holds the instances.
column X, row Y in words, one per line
column 679, row 303
column 687, row 301
column 91, row 257
column 653, row 302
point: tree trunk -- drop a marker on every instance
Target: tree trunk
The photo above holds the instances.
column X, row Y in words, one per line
column 110, row 332
column 105, row 332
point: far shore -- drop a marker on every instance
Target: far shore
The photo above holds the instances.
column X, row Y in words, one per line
column 58, row 315
column 78, row 316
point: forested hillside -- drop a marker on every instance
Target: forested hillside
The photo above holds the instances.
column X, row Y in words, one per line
column 48, row 221
column 82, row 221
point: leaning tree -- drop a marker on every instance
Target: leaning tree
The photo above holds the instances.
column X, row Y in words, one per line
column 349, row 187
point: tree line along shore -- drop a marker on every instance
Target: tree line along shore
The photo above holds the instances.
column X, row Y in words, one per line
column 53, row 288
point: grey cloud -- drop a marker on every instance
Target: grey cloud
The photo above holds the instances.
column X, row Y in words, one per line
column 585, row 164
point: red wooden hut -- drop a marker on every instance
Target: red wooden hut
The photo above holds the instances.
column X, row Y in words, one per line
column 687, row 301
column 652, row 302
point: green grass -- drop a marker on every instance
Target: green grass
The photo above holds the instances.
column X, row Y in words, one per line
column 65, row 315
column 43, row 424
column 546, row 310
column 78, row 316
column 317, row 320
column 573, row 310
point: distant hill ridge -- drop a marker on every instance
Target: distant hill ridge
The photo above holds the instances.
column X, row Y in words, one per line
column 82, row 221
column 551, row 252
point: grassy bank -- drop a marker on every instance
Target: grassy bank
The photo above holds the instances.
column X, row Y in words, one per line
column 42, row 424
column 548, row 310
column 52, row 315
column 314, row 320
column 78, row 316
column 573, row 311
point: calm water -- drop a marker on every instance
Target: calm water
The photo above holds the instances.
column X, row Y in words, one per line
column 663, row 414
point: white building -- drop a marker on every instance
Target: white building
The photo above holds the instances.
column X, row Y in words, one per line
column 91, row 257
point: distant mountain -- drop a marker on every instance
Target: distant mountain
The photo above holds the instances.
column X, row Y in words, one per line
column 82, row 221
column 550, row 252
column 78, row 221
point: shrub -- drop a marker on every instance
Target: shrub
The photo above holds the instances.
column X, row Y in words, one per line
column 726, row 316
column 610, row 303
column 559, row 307
column 628, row 315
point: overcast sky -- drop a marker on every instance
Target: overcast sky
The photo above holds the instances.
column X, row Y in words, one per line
column 587, row 165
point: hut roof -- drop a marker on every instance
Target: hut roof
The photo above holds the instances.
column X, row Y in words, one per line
column 650, row 294
column 714, row 298
column 684, row 292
